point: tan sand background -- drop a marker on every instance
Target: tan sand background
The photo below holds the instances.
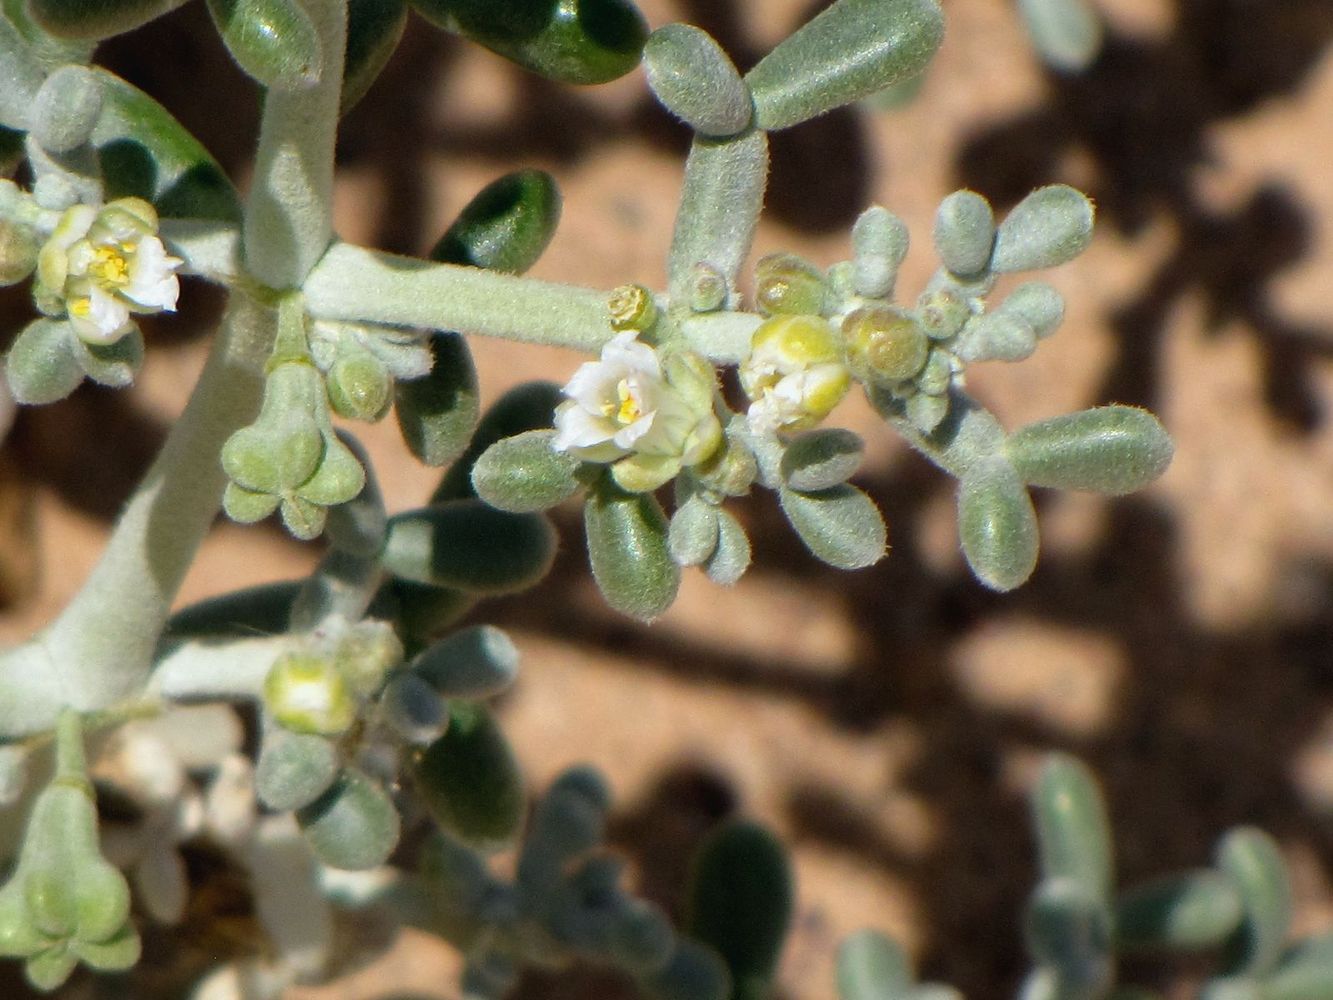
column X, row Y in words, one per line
column 884, row 722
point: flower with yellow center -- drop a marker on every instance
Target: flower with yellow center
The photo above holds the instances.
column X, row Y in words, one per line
column 795, row 374
column 102, row 265
column 647, row 416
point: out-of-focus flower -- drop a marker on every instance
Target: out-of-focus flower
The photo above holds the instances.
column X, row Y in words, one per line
column 102, row 265
column 647, row 415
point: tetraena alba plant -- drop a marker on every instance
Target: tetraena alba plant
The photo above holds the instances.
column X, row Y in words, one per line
column 371, row 770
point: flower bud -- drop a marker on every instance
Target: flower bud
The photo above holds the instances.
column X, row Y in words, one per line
column 307, row 694
column 795, row 373
column 708, row 288
column 885, row 345
column 632, row 308
column 283, row 447
column 365, row 654
column 942, row 313
column 359, row 385
column 784, row 283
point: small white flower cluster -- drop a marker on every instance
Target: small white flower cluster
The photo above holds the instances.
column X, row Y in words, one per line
column 647, row 416
column 102, row 265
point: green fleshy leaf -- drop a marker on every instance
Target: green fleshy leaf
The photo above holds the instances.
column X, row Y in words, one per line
column 526, row 407
column 96, row 19
column 506, row 226
column 477, row 662
column 44, row 364
column 872, row 966
column 731, row 558
column 353, row 825
column 695, row 80
column 438, row 412
column 1109, row 449
column 524, row 473
column 146, row 153
column 1254, row 862
column 1190, row 911
column 694, row 972
column 692, row 536
column 374, row 28
column 469, row 779
column 294, row 769
column 997, row 524
column 840, row 525
column 273, row 41
column 1049, row 227
column 627, row 546
column 1066, row 33
column 848, row 51
column 741, row 903
column 1068, row 930
column 1073, row 833
column 471, row 546
column 573, row 41
column 964, row 232
column 821, row 459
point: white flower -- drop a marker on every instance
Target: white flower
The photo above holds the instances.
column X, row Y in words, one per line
column 101, row 266
column 795, row 374
column 647, row 415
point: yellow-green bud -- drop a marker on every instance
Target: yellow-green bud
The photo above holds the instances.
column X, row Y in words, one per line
column 359, row 385
column 885, row 345
column 307, row 694
column 708, row 288
column 784, row 283
column 942, row 313
column 632, row 308
column 795, row 374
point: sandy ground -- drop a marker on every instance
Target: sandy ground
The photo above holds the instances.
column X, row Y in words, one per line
column 885, row 722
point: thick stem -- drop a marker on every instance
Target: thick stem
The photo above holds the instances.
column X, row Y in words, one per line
column 355, row 284
column 100, row 650
column 288, row 215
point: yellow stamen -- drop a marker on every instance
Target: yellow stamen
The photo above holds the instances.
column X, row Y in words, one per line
column 109, row 267
column 81, row 307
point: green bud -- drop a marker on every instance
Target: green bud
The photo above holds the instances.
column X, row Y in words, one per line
column 476, row 662
column 353, row 825
column 695, row 80
column 1049, row 227
column 116, row 954
column 693, row 972
column 1190, row 912
column 996, row 336
column 294, row 769
column 43, row 365
column 471, row 546
column 113, row 365
column 707, row 288
column 1038, row 304
column 840, row 525
column 692, row 535
column 365, row 654
column 632, row 308
column 627, row 546
column 731, row 558
column 1066, row 33
column 848, row 51
column 820, row 459
column 524, row 473
column 284, row 446
column 359, row 385
column 871, row 966
column 1254, row 862
column 740, row 902
column 374, row 28
column 879, row 245
column 885, row 345
column 95, row 18
column 101, row 901
column 49, row 969
column 997, row 525
column 527, row 407
column 731, row 470
column 573, row 41
column 506, row 226
column 1109, row 449
column 438, row 412
column 273, row 41
column 469, row 781
column 338, row 478
column 1073, row 832
column 785, row 283
column 307, row 694
column 66, row 109
column 942, row 313
column 964, row 233
column 1069, row 930
column 356, row 528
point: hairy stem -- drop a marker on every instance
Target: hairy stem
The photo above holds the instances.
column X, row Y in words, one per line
column 100, row 650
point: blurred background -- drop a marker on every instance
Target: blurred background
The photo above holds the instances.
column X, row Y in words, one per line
column 886, row 722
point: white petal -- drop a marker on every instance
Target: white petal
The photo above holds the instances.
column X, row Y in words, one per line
column 625, row 351
column 575, row 427
column 98, row 318
column 153, row 282
column 594, row 383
